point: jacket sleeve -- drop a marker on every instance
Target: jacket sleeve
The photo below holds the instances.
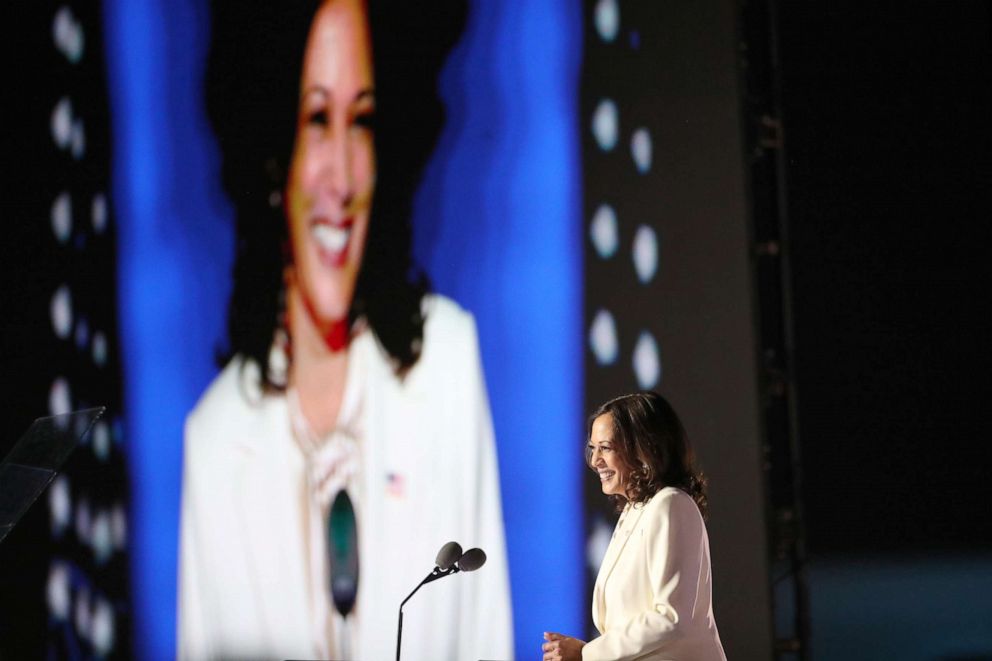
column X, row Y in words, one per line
column 675, row 555
column 486, row 622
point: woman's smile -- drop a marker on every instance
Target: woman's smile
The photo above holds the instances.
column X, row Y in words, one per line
column 331, row 240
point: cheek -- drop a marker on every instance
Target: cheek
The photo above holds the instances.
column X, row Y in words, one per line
column 307, row 160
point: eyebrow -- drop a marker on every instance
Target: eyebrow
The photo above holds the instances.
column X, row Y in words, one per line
column 367, row 93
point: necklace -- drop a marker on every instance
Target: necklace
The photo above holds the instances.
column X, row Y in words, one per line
column 332, row 474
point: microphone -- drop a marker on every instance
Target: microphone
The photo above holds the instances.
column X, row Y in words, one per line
column 450, row 560
column 472, row 560
column 448, row 555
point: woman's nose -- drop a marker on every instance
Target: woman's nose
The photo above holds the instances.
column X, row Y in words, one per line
column 336, row 174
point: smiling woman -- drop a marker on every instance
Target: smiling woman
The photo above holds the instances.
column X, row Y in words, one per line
column 352, row 407
column 652, row 598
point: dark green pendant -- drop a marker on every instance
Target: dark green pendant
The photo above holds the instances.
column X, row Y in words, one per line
column 342, row 545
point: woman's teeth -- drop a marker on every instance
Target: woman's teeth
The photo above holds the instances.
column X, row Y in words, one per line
column 605, row 475
column 330, row 238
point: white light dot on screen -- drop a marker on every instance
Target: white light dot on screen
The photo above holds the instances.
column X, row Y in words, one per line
column 62, row 217
column 62, row 27
column 82, row 333
column 603, row 231
column 67, row 34
column 607, row 19
column 598, row 542
column 57, row 590
column 101, row 538
column 645, row 253
column 78, row 139
column 59, row 397
column 647, row 362
column 98, row 213
column 83, row 612
column 604, row 124
column 62, row 122
column 99, row 348
column 83, row 520
column 102, row 628
column 61, row 312
column 640, row 150
column 118, row 527
column 603, row 338
column 76, row 43
column 60, row 505
column 101, row 440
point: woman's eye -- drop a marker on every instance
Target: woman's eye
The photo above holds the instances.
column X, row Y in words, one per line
column 317, row 118
column 365, row 120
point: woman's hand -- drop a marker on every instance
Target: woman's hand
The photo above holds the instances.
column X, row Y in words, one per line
column 561, row 648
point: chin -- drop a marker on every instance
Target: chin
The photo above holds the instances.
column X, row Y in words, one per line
column 332, row 306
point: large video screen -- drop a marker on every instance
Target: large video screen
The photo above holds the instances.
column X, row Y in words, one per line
column 351, row 323
column 350, row 275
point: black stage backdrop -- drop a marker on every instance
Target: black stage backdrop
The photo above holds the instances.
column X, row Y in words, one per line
column 888, row 130
column 888, row 113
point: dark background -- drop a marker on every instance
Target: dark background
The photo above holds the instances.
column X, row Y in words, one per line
column 888, row 131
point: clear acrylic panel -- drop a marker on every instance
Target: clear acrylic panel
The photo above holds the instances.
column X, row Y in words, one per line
column 36, row 459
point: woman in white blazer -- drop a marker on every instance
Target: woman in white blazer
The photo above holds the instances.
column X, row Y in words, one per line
column 349, row 391
column 652, row 598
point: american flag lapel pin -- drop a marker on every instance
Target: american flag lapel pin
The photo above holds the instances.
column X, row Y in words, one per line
column 395, row 485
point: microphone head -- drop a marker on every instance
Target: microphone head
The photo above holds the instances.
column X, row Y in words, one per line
column 448, row 555
column 472, row 560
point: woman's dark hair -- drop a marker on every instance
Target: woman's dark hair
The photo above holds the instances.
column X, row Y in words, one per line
column 252, row 89
column 649, row 439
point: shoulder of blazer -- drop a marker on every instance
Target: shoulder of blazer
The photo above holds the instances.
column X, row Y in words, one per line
column 450, row 346
column 670, row 501
column 667, row 496
column 447, row 325
column 233, row 403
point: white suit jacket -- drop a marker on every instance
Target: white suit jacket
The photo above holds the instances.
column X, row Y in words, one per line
column 430, row 472
column 652, row 596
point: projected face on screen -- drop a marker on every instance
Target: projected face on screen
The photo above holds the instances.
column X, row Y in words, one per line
column 332, row 171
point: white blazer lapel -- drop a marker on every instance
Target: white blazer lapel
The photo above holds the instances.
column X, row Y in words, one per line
column 268, row 513
column 621, row 535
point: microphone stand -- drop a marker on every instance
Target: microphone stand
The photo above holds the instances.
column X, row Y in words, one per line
column 433, row 576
